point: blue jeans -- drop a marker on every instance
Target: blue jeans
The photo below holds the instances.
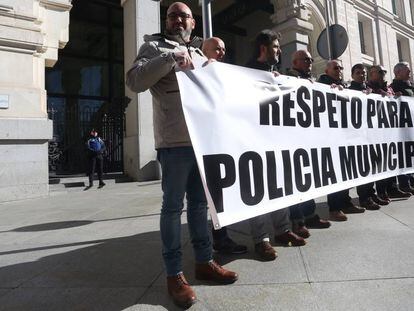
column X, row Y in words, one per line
column 180, row 176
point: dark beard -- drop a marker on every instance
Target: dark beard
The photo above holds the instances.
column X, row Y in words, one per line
column 272, row 61
column 184, row 35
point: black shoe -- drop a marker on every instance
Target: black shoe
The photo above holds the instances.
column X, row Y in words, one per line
column 407, row 189
column 353, row 209
column 369, row 204
column 396, row 193
column 101, row 184
column 228, row 246
column 317, row 222
column 380, row 201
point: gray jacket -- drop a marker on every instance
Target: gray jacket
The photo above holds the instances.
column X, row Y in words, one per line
column 154, row 69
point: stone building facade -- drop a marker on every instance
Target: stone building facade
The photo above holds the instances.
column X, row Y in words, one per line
column 32, row 32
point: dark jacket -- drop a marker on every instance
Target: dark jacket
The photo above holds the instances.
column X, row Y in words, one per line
column 96, row 146
column 325, row 79
column 404, row 87
column 299, row 74
column 253, row 63
column 358, row 86
column 378, row 87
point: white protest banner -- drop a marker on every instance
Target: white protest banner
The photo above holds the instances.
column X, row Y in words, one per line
column 264, row 143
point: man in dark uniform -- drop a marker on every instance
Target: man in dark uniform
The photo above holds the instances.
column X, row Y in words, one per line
column 339, row 202
column 266, row 56
column 401, row 85
column 96, row 148
column 303, row 214
column 366, row 193
column 214, row 48
column 386, row 188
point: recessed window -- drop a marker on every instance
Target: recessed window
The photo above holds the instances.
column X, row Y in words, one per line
column 403, row 48
column 398, row 8
column 366, row 38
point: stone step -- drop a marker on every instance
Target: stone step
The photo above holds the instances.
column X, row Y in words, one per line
column 70, row 183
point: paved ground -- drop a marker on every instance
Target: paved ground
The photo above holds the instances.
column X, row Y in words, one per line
column 100, row 250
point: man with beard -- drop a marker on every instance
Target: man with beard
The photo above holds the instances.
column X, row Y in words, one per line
column 266, row 56
column 154, row 69
column 214, row 49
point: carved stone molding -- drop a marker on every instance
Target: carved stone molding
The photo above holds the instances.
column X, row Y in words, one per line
column 287, row 9
column 64, row 5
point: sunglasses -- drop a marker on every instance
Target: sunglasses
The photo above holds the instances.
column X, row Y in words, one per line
column 338, row 68
column 182, row 15
column 307, row 59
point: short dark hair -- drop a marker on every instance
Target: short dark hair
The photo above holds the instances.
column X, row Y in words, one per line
column 266, row 38
column 357, row 66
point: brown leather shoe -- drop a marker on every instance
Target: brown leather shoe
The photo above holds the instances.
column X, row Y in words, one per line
column 180, row 291
column 381, row 201
column 337, row 216
column 212, row 271
column 265, row 251
column 290, row 238
column 369, row 204
column 396, row 193
column 301, row 230
column 317, row 223
column 353, row 209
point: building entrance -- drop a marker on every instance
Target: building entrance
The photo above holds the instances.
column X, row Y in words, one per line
column 86, row 88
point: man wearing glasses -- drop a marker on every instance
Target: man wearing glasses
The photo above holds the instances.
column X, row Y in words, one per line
column 301, row 65
column 339, row 202
column 386, row 188
column 154, row 69
column 303, row 214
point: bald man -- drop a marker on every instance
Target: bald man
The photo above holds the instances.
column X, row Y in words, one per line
column 301, row 65
column 303, row 214
column 340, row 203
column 214, row 48
column 154, row 69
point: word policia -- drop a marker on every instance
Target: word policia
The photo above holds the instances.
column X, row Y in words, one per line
column 302, row 169
column 381, row 113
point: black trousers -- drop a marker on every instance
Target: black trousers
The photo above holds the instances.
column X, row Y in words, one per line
column 404, row 181
column 300, row 211
column 365, row 191
column 95, row 162
column 338, row 200
column 385, row 185
column 219, row 234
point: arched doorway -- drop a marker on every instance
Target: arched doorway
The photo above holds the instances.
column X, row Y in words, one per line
column 86, row 87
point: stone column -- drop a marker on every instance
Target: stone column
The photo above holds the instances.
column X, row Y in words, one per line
column 31, row 32
column 141, row 17
column 291, row 20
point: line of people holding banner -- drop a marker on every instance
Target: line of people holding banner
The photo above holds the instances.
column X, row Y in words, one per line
column 291, row 225
column 154, row 69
